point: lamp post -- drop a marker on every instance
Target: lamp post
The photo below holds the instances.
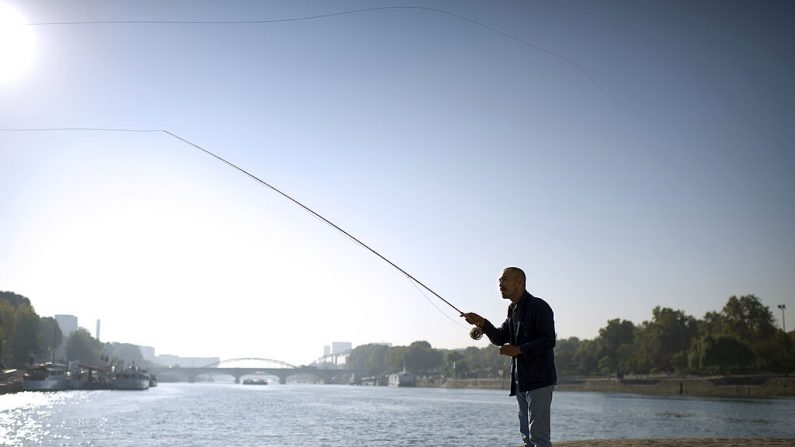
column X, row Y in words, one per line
column 783, row 307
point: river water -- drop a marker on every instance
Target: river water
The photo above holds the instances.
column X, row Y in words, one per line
column 181, row 414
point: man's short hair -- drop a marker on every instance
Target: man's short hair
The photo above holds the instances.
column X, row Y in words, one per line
column 517, row 271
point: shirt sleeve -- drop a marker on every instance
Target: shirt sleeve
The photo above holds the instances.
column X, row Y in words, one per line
column 497, row 336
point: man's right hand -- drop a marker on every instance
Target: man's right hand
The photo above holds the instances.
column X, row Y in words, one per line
column 473, row 318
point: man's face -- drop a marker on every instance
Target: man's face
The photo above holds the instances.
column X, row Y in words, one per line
column 511, row 285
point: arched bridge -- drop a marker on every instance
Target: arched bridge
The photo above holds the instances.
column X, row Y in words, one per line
column 235, row 368
column 254, row 359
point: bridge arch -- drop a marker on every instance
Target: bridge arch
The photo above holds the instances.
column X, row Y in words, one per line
column 258, row 359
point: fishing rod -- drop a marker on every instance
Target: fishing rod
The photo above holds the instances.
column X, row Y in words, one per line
column 476, row 333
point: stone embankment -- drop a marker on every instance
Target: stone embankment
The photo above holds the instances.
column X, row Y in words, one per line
column 682, row 442
column 732, row 386
column 10, row 380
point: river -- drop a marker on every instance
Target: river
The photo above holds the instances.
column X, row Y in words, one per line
column 180, row 414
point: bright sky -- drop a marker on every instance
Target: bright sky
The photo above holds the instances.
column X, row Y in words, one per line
column 625, row 154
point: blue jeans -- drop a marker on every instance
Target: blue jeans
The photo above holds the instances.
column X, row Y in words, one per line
column 534, row 409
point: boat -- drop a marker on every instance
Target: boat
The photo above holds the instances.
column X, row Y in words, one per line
column 255, row 381
column 130, row 378
column 401, row 379
column 152, row 380
column 47, row 377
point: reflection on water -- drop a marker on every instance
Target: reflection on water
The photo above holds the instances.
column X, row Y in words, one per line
column 299, row 415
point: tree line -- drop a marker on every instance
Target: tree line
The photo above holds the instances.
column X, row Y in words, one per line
column 740, row 338
column 26, row 338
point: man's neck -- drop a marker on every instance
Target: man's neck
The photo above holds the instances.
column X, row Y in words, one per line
column 515, row 299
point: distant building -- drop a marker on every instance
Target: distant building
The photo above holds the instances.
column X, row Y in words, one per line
column 67, row 323
column 148, row 353
column 340, row 347
column 334, row 356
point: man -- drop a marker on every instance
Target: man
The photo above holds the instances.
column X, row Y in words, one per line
column 528, row 337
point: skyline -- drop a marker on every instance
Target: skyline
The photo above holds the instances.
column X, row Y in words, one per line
column 624, row 155
column 327, row 349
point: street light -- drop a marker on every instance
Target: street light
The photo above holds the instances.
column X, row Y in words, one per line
column 783, row 307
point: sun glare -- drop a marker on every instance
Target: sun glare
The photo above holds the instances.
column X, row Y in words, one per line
column 17, row 44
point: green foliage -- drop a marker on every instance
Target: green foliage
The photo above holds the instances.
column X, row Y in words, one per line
column 665, row 340
column 670, row 342
column 125, row 352
column 420, row 357
column 81, row 346
column 51, row 336
column 13, row 299
column 396, row 359
column 747, row 318
column 722, row 354
column 19, row 329
column 742, row 337
column 479, row 363
column 566, row 356
column 369, row 360
column 27, row 339
column 451, row 362
column 615, row 337
column 739, row 338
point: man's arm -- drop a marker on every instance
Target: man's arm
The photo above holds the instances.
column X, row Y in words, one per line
column 497, row 336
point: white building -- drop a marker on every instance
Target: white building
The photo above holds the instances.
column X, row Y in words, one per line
column 67, row 323
column 334, row 356
column 148, row 353
column 340, row 347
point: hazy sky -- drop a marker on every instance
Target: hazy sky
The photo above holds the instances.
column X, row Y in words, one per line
column 625, row 154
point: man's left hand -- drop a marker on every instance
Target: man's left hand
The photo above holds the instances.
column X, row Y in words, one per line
column 510, row 350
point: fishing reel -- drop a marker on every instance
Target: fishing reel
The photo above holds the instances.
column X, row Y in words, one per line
column 476, row 333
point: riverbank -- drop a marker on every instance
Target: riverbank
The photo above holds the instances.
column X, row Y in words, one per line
column 729, row 386
column 10, row 380
column 683, row 442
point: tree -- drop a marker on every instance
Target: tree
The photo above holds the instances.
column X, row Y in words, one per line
column 666, row 339
column 369, row 360
column 746, row 318
column 125, row 352
column 722, row 354
column 6, row 330
column 81, row 346
column 565, row 352
column 27, row 338
column 19, row 328
column 51, row 336
column 585, row 358
column 750, row 321
column 451, row 363
column 396, row 359
column 14, row 300
column 422, row 358
column 612, row 337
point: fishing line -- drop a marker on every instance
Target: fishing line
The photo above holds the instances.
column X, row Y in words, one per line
column 434, row 305
column 257, row 179
column 361, row 11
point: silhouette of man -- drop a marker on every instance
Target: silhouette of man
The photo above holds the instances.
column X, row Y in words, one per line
column 527, row 336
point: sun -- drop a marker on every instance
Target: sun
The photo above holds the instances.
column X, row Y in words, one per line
column 17, row 44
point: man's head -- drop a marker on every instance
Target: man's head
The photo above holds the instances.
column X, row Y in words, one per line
column 512, row 283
